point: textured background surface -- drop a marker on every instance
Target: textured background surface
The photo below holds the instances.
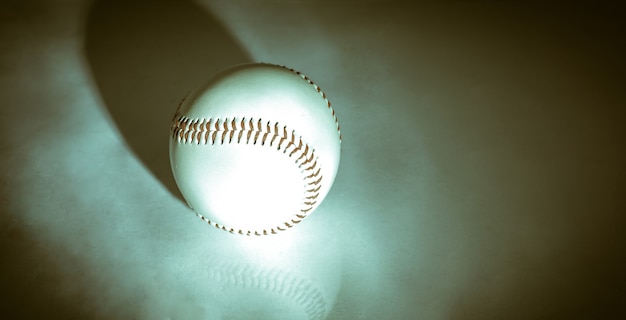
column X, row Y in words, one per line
column 482, row 167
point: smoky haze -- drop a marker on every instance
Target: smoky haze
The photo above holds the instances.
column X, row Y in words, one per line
column 481, row 174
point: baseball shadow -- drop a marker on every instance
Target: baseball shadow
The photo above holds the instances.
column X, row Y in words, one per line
column 145, row 56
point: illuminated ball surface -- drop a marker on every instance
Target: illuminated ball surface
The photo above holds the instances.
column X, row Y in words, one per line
column 256, row 149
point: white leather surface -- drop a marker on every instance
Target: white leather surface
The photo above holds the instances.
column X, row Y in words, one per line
column 482, row 171
column 253, row 183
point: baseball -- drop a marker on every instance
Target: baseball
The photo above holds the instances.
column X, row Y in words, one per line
column 256, row 149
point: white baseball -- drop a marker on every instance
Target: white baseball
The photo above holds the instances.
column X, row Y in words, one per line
column 256, row 149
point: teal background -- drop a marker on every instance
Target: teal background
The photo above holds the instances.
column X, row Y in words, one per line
column 482, row 171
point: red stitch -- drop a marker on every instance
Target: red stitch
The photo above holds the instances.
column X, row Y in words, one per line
column 316, row 189
column 312, row 166
column 304, row 153
column 230, row 137
column 297, row 149
column 201, row 131
column 316, row 182
column 313, row 175
column 239, row 136
column 308, row 160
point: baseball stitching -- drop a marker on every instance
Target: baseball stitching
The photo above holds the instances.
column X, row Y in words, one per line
column 248, row 130
column 319, row 90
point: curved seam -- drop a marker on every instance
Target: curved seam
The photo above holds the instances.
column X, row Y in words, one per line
column 321, row 92
column 211, row 131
